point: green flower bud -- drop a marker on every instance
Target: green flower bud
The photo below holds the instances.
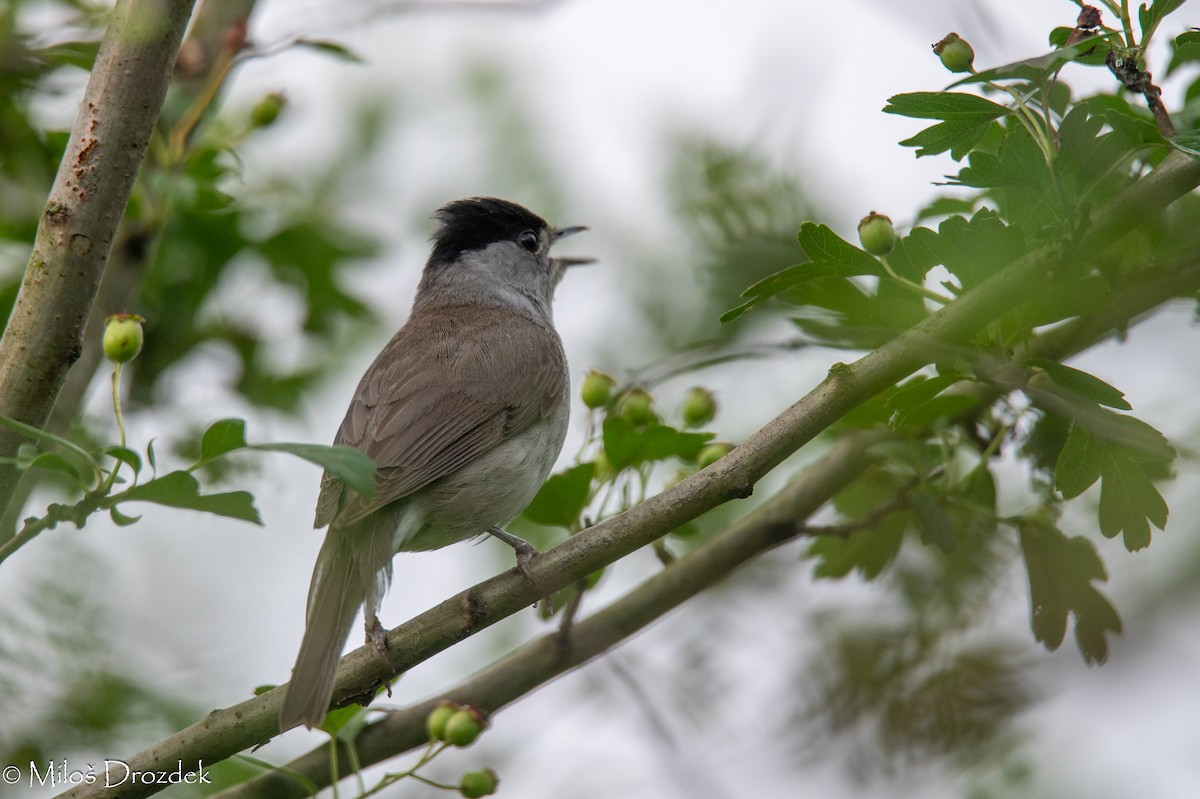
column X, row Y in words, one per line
column 597, row 389
column 956, row 53
column 267, row 110
column 637, row 406
column 475, row 784
column 463, row 727
column 123, row 337
column 876, row 233
column 435, row 723
column 713, row 453
column 699, row 407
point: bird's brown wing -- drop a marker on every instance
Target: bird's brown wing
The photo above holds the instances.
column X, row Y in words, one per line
column 419, row 422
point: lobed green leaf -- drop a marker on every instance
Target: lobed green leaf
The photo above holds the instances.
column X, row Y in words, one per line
column 1082, row 383
column 838, row 256
column 1061, row 572
column 626, row 445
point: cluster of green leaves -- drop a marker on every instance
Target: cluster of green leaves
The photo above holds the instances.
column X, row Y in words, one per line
column 185, row 231
column 627, row 441
column 205, row 236
column 95, row 484
column 1035, row 163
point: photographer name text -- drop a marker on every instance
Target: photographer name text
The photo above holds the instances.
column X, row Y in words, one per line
column 111, row 773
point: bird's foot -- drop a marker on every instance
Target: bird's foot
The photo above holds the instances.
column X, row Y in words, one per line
column 523, row 549
column 377, row 637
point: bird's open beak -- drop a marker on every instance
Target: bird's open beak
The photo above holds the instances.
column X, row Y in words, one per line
column 562, row 233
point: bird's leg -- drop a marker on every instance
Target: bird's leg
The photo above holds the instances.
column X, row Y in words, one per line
column 377, row 636
column 524, row 550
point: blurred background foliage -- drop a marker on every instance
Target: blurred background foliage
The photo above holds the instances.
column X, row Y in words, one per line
column 262, row 287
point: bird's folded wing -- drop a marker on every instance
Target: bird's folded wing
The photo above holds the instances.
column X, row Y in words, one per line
column 439, row 395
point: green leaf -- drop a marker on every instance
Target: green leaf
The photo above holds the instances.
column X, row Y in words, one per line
column 562, row 498
column 125, row 455
column 966, row 118
column 1185, row 50
column 768, row 287
column 934, row 520
column 1129, row 501
column 1149, row 17
column 939, row 409
column 1082, row 383
column 958, row 138
column 626, row 445
column 867, row 551
column 920, row 390
column 955, row 106
column 180, row 489
column 945, row 206
column 37, row 433
column 76, row 54
column 840, row 257
column 338, row 51
column 352, row 466
column 1061, row 572
column 1125, row 454
column 920, row 403
column 972, row 250
column 120, row 519
column 1079, row 463
column 55, row 462
column 1188, row 142
column 221, row 438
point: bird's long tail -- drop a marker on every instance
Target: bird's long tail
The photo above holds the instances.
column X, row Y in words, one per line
column 338, row 589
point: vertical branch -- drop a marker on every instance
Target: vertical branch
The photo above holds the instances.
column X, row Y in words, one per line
column 75, row 235
column 136, row 239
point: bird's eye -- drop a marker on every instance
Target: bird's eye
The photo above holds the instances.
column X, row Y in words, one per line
column 528, row 240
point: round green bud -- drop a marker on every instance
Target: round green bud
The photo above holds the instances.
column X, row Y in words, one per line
column 637, row 406
column 435, row 723
column 267, row 110
column 123, row 337
column 699, row 407
column 876, row 233
column 597, row 389
column 713, row 453
column 463, row 727
column 475, row 784
column 956, row 53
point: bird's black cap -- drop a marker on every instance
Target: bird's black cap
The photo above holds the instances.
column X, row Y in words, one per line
column 473, row 224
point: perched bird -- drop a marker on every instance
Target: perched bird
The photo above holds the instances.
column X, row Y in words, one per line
column 464, row 413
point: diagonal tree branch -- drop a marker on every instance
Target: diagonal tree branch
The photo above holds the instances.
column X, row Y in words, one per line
column 776, row 521
column 225, row 732
column 781, row 518
column 78, row 226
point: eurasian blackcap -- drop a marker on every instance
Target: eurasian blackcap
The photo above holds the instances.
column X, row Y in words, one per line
column 464, row 413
